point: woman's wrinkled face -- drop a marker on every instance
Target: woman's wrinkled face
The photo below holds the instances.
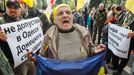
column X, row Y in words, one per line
column 64, row 18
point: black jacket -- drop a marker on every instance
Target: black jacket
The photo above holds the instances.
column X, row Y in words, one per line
column 132, row 39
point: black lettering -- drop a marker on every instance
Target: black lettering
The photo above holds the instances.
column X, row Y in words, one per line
column 12, row 29
column 23, row 47
column 22, row 25
column 7, row 30
column 116, row 43
column 116, row 36
column 19, row 50
column 19, row 28
column 26, row 24
column 124, row 35
column 29, row 34
column 24, row 34
column 18, row 38
column 114, row 30
column 23, row 57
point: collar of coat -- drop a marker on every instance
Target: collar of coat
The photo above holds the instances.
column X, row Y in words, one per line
column 54, row 30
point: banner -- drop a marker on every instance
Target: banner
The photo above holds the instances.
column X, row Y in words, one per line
column 130, row 5
column 23, row 36
column 87, row 66
column 118, row 40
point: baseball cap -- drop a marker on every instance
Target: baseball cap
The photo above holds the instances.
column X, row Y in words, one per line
column 13, row 3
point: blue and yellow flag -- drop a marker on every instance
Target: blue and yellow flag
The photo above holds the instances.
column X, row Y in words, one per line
column 88, row 66
column 130, row 5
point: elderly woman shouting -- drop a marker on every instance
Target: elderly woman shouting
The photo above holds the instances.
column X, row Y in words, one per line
column 66, row 40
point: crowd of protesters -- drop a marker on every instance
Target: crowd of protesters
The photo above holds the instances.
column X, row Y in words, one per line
column 96, row 20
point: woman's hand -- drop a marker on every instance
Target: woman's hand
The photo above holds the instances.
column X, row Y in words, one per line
column 100, row 48
column 131, row 34
column 30, row 57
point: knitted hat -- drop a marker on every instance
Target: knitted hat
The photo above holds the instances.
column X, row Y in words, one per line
column 56, row 9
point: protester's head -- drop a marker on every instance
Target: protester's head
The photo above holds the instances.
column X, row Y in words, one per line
column 110, row 15
column 118, row 9
column 113, row 7
column 13, row 9
column 63, row 16
column 101, row 6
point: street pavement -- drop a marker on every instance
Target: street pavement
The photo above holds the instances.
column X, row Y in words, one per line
column 127, row 69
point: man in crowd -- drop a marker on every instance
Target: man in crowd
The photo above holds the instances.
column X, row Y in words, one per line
column 120, row 63
column 100, row 19
column 13, row 14
column 120, row 15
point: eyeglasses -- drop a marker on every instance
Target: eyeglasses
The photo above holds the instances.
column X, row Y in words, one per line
column 62, row 12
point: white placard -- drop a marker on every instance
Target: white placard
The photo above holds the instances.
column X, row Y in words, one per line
column 118, row 40
column 23, row 36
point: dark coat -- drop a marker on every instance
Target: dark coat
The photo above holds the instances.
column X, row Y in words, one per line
column 132, row 39
column 5, row 68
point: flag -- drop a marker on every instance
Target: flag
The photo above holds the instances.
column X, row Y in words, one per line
column 87, row 66
column 49, row 8
column 102, row 70
column 80, row 4
column 130, row 5
column 71, row 3
column 29, row 2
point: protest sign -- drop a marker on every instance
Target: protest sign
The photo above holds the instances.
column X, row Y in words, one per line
column 23, row 36
column 118, row 40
